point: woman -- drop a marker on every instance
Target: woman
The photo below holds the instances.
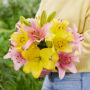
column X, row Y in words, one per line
column 77, row 12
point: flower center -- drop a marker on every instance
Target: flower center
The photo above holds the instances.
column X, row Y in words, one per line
column 50, row 58
column 61, row 27
column 22, row 39
column 65, row 60
column 36, row 34
column 60, row 44
column 38, row 58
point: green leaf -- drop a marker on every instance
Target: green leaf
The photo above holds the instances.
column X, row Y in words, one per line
column 51, row 16
column 43, row 18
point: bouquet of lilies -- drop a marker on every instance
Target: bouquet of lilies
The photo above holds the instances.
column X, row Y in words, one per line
column 44, row 42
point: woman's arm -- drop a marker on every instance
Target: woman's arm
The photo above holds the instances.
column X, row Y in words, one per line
column 85, row 56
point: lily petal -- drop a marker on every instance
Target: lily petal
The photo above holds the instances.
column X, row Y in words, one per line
column 7, row 56
column 36, row 71
column 29, row 42
column 34, row 24
column 61, row 72
column 71, row 67
column 75, row 28
column 75, row 59
column 49, row 65
column 27, row 28
column 46, row 27
column 27, row 68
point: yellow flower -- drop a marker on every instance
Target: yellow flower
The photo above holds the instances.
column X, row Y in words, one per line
column 20, row 38
column 38, row 59
column 62, row 40
column 59, row 26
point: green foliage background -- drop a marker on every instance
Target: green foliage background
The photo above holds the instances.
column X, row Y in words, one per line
column 9, row 15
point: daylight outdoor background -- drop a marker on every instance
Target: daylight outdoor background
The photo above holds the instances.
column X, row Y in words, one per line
column 10, row 11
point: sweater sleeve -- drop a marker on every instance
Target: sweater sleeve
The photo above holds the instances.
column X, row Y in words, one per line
column 86, row 34
column 85, row 56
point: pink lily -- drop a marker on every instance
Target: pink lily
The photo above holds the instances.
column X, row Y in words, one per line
column 16, row 57
column 77, row 38
column 66, row 62
column 35, row 33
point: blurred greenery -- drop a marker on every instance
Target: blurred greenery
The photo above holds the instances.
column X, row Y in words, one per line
column 9, row 15
column 11, row 12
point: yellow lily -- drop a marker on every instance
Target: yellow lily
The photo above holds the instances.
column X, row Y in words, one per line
column 61, row 41
column 20, row 39
column 38, row 59
column 59, row 26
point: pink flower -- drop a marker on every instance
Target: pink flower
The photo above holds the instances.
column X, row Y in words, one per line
column 16, row 57
column 77, row 38
column 35, row 33
column 66, row 62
